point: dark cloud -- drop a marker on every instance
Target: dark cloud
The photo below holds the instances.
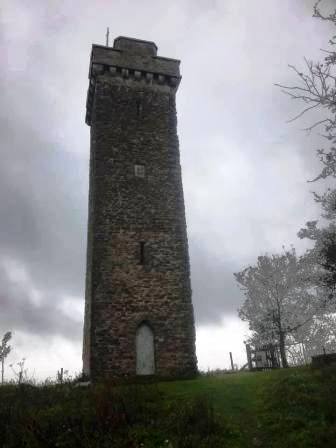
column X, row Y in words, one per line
column 42, row 207
column 20, row 312
column 214, row 290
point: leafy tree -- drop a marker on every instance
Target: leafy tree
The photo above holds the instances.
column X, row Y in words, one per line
column 4, row 352
column 317, row 335
column 324, row 254
column 280, row 297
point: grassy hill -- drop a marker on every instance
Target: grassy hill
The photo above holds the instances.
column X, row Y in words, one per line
column 283, row 408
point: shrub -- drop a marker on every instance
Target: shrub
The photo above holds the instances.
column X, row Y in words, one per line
column 104, row 415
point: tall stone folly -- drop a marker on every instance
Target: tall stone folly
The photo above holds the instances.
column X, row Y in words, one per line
column 138, row 310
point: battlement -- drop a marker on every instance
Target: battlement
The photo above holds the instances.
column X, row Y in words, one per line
column 133, row 59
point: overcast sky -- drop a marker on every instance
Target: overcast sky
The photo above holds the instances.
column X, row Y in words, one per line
column 245, row 170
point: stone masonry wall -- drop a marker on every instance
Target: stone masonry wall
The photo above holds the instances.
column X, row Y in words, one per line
column 133, row 122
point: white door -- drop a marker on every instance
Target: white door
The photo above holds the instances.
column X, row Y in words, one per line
column 145, row 351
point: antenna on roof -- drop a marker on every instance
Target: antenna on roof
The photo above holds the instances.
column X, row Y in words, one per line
column 107, row 36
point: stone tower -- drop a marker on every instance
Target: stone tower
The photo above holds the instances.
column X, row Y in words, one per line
column 138, row 310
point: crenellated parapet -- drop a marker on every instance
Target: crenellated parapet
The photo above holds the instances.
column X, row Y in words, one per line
column 131, row 60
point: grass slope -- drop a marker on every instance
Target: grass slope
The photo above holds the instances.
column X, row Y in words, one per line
column 293, row 408
column 233, row 396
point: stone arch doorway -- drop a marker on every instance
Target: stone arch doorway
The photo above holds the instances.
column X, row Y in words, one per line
column 145, row 358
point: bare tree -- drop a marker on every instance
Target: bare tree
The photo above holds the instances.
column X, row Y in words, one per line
column 316, row 89
column 21, row 373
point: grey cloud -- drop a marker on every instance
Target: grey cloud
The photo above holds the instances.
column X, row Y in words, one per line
column 19, row 312
column 42, row 209
column 214, row 290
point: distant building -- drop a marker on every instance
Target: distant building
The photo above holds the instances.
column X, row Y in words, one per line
column 138, row 309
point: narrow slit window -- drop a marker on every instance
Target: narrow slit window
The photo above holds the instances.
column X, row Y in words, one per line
column 138, row 108
column 142, row 252
column 139, row 170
